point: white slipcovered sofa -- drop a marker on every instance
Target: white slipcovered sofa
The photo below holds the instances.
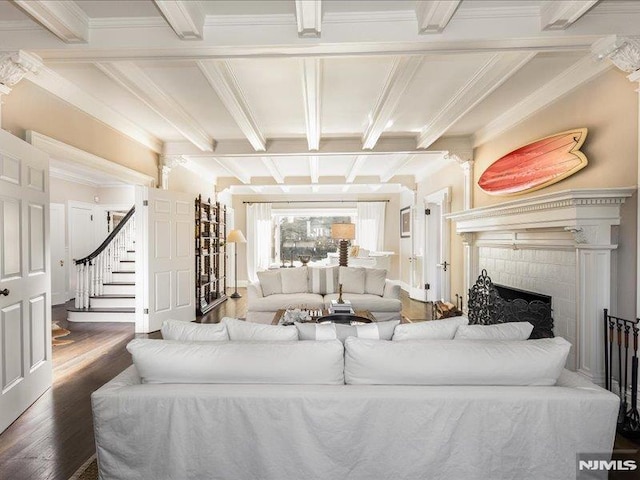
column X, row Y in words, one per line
column 278, row 408
column 315, row 287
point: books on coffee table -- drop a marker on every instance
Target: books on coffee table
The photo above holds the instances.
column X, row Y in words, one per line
column 344, row 307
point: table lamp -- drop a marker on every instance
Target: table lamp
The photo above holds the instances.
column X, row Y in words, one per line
column 343, row 232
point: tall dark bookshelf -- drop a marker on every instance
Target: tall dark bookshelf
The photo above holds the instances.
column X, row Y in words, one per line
column 211, row 254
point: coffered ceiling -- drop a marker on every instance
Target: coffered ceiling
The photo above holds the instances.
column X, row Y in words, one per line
column 329, row 92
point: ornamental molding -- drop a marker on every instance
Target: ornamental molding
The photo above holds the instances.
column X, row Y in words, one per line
column 15, row 65
column 172, row 161
column 624, row 52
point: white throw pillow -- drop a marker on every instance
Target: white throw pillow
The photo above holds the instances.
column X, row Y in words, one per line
column 502, row 331
column 242, row 331
column 270, row 282
column 194, row 332
column 323, row 280
column 164, row 361
column 463, row 362
column 352, row 279
column 444, row 329
column 330, row 331
column 294, row 280
column 374, row 280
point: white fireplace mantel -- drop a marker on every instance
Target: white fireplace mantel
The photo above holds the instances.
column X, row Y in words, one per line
column 579, row 220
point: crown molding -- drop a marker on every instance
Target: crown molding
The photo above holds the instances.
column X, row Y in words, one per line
column 579, row 73
column 122, row 22
column 489, row 77
column 66, row 20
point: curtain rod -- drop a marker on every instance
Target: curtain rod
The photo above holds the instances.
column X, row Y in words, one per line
column 323, row 201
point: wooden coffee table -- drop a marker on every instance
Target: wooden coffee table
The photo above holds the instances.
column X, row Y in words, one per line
column 358, row 313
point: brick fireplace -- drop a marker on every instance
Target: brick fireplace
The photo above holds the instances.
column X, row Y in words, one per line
column 560, row 244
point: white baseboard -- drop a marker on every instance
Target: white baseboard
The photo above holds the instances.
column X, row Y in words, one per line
column 404, row 286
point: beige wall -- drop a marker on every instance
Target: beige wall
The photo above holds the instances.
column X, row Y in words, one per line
column 62, row 191
column 183, row 180
column 392, row 221
column 608, row 107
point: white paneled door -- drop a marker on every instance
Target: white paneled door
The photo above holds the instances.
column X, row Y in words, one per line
column 58, row 254
column 25, row 289
column 437, row 246
column 165, row 281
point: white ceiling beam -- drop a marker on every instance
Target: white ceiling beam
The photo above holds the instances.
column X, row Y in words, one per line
column 396, row 166
column 311, row 88
column 309, row 18
column 222, row 79
column 490, row 76
column 401, row 74
column 185, row 17
column 231, row 166
column 434, row 15
column 561, row 14
column 136, row 81
column 355, row 168
column 273, row 169
column 577, row 74
column 314, row 168
column 65, row 19
column 55, row 84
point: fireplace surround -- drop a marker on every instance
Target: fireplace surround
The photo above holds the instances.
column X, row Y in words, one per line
column 560, row 244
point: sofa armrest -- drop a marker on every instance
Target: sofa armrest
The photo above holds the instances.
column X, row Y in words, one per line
column 254, row 291
column 391, row 290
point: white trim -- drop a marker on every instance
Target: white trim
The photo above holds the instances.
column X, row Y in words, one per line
column 434, row 15
column 185, row 17
column 60, row 150
column 580, row 72
column 220, row 76
column 355, row 168
column 314, row 168
column 309, row 18
column 66, row 20
column 489, row 77
column 136, row 81
column 273, row 169
column 561, row 15
column 393, row 169
column 231, row 166
column 311, row 89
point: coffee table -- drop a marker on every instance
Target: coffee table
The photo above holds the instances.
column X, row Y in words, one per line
column 364, row 316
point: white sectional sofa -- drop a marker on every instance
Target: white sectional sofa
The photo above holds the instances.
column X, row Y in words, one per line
column 315, row 287
column 368, row 409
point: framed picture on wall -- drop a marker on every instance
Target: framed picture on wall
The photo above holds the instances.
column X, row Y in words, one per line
column 405, row 222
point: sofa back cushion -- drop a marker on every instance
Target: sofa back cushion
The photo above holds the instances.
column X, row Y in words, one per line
column 270, row 282
column 323, row 280
column 352, row 279
column 374, row 280
column 294, row 280
column 242, row 331
column 333, row 331
column 444, row 329
column 501, row 331
column 164, row 361
column 194, row 332
column 462, row 362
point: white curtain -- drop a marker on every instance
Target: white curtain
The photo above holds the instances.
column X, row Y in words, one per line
column 259, row 238
column 370, row 225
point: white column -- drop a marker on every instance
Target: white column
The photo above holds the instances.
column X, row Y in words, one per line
column 467, row 169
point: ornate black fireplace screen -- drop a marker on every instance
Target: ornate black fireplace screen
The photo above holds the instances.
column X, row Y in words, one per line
column 620, row 341
column 487, row 307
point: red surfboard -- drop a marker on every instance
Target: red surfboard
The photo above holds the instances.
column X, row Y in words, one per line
column 536, row 165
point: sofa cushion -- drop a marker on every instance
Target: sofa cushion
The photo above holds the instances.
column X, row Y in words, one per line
column 270, row 282
column 463, row 362
column 323, row 280
column 502, row 331
column 276, row 302
column 239, row 330
column 352, row 279
column 374, row 280
column 444, row 329
column 294, row 280
column 194, row 332
column 373, row 303
column 330, row 331
column 163, row 361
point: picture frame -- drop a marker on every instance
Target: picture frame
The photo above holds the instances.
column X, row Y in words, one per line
column 405, row 222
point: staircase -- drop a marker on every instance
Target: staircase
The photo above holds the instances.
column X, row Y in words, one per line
column 105, row 279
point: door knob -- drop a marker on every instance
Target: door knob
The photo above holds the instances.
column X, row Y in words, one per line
column 444, row 265
column 62, row 263
column 5, row 292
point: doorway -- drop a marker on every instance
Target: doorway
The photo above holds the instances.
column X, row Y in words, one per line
column 59, row 292
column 437, row 245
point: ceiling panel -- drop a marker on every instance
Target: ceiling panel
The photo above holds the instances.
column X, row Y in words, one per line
column 541, row 69
column 252, row 166
column 360, row 6
column 293, row 166
column 438, row 79
column 185, row 83
column 118, row 8
column 248, row 7
column 10, row 13
column 350, row 89
column 273, row 89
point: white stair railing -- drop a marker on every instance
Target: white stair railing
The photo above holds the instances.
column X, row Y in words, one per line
column 96, row 269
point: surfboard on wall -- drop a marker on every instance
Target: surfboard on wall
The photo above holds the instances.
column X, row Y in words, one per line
column 536, row 165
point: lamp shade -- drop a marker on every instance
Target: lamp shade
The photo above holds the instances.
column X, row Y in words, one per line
column 343, row 231
column 236, row 236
